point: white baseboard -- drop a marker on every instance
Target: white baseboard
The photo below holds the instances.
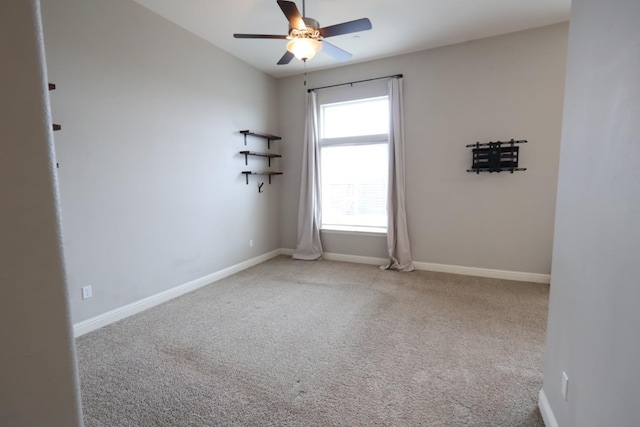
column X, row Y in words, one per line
column 112, row 316
column 545, row 409
column 355, row 259
column 484, row 272
column 344, row 258
column 441, row 268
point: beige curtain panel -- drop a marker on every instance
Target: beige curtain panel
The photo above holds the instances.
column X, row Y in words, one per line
column 397, row 231
column 309, row 246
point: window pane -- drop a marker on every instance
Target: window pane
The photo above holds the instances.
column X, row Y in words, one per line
column 363, row 117
column 354, row 185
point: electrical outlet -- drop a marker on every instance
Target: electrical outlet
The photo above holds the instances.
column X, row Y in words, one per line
column 250, row 243
column 565, row 385
column 87, row 292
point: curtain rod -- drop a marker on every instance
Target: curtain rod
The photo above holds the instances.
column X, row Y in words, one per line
column 395, row 76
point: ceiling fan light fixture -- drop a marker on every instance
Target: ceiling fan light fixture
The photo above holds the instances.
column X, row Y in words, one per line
column 304, row 48
column 306, row 37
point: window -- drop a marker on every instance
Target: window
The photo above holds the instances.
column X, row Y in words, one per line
column 354, row 141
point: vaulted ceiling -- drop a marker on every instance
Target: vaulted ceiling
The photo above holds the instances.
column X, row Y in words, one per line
column 398, row 26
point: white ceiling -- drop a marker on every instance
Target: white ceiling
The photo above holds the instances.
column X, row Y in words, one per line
column 398, row 26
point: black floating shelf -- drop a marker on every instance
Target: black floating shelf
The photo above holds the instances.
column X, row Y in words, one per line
column 258, row 154
column 511, row 170
column 487, row 144
column 266, row 136
column 499, row 156
column 269, row 174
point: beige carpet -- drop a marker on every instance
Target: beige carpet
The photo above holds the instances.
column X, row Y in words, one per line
column 293, row 343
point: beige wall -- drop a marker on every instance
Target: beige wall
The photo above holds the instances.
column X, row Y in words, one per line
column 38, row 382
column 503, row 87
column 595, row 294
column 151, row 191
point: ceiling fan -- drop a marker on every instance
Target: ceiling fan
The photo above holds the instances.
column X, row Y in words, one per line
column 307, row 38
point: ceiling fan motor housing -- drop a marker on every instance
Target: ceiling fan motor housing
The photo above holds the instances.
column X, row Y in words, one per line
column 311, row 31
column 310, row 22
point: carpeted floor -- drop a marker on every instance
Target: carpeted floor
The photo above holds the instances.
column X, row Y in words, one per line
column 293, row 343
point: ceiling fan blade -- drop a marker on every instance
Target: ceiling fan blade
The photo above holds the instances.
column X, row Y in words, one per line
column 292, row 13
column 336, row 52
column 258, row 36
column 286, row 58
column 346, row 28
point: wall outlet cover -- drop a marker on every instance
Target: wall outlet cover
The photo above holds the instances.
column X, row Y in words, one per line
column 87, row 292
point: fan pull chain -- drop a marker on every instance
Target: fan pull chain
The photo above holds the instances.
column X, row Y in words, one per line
column 304, row 61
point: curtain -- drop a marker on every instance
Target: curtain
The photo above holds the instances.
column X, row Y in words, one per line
column 309, row 246
column 397, row 233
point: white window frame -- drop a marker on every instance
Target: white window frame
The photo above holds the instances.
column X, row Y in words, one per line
column 373, row 139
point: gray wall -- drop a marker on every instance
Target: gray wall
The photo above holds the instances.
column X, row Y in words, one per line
column 595, row 298
column 151, row 191
column 38, row 382
column 503, row 87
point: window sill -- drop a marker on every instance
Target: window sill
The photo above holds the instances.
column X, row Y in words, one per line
column 337, row 229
